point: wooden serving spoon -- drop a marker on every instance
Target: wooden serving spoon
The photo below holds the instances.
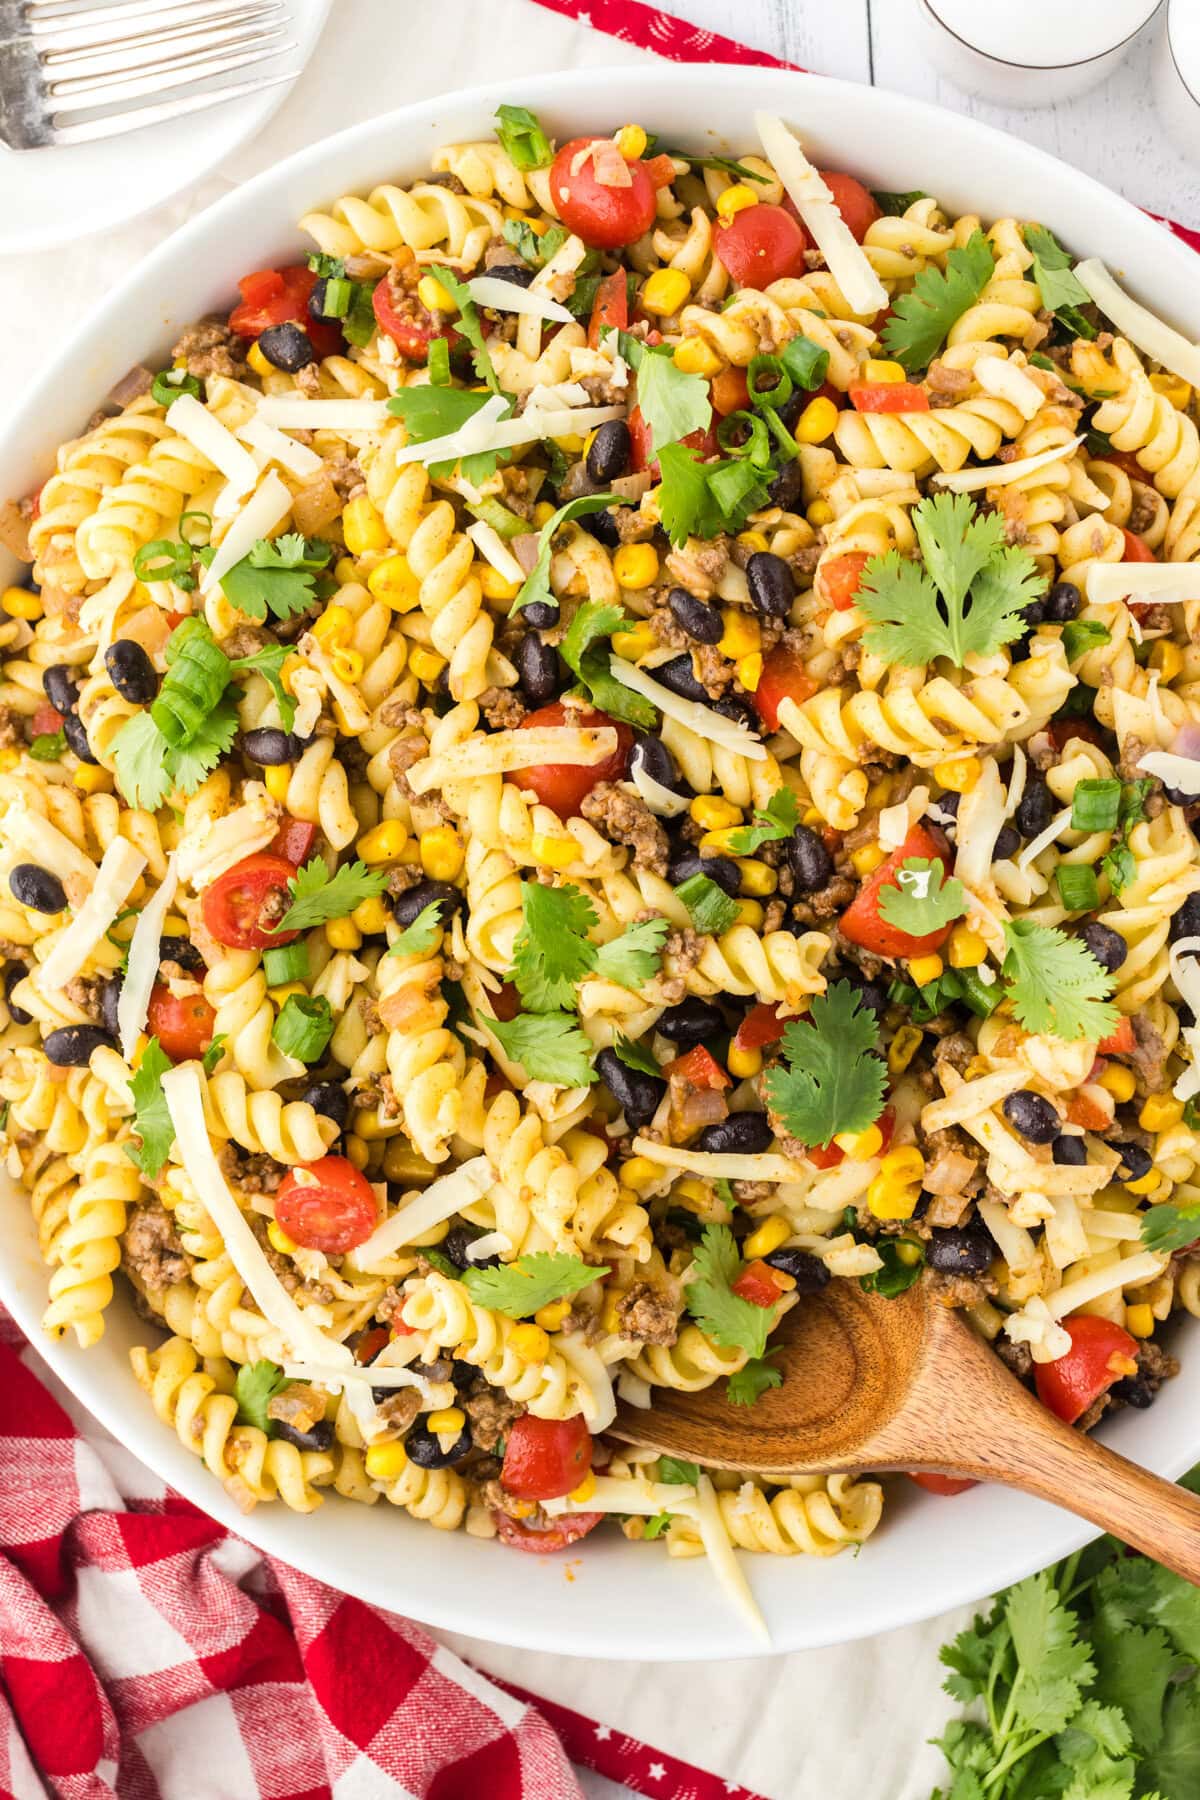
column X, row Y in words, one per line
column 878, row 1385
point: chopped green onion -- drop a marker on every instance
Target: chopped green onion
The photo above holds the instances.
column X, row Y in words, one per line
column 1095, row 806
column 206, row 526
column 780, row 388
column 807, row 363
column 168, row 384
column 982, row 997
column 286, row 962
column 162, row 560
column 359, row 323
column 733, row 485
column 304, row 1027
column 523, row 138
column 335, row 301
column 1082, row 635
column 329, row 268
column 754, row 445
column 1078, row 888
column 48, row 746
column 781, row 434
column 439, row 362
column 490, row 512
column 198, row 674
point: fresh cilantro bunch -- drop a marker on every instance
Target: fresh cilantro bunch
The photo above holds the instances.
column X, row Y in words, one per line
column 922, row 899
column 1061, row 289
column 921, row 319
column 830, row 1079
column 967, row 597
column 1055, row 983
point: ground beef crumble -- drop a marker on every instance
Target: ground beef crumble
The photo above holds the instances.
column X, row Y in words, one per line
column 251, row 1171
column 151, row 1249
column 503, row 708
column 647, row 1314
column 626, row 819
column 491, row 1413
column 681, row 952
column 210, row 348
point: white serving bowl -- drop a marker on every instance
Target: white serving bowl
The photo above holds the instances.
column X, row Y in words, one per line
column 612, row 1599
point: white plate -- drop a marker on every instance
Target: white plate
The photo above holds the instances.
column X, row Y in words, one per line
column 614, row 1598
column 56, row 196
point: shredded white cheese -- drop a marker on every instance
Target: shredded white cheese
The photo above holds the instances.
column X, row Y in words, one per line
column 763, row 1165
column 726, row 1567
column 205, row 432
column 1163, row 583
column 143, row 961
column 1179, row 772
column 1036, row 1326
column 262, row 513
column 119, row 871
column 294, row 412
column 847, row 261
column 1185, row 973
column 1131, row 1271
column 629, row 1494
column 487, row 430
column 1033, row 849
column 505, row 752
column 491, row 545
column 442, row 1198
column 1169, row 347
column 965, row 481
column 701, row 719
column 661, row 800
column 270, row 445
column 506, row 296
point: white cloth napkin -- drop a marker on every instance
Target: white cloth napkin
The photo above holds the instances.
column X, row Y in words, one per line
column 845, row 1724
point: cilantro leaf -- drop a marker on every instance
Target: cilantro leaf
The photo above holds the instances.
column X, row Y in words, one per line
column 634, row 1056
column 894, row 206
column 1173, row 1766
column 139, row 755
column 635, row 956
column 723, row 1316
column 1081, row 635
column 468, row 324
column 318, row 896
column 422, row 934
column 921, row 319
column 549, row 1047
column 968, row 597
column 702, row 499
column 655, row 1526
column 278, row 576
column 778, row 819
column 536, row 585
column 531, row 248
column 922, row 899
column 672, row 403
column 593, row 625
column 269, row 663
column 677, row 1472
column 712, row 909
column 1054, row 1665
column 48, row 746
column 552, row 955
column 746, row 1385
column 831, row 1080
column 190, row 764
column 1171, row 1227
column 1134, row 1665
column 152, row 1120
column 1061, row 290
column 519, row 1288
column 257, row 1383
column 903, row 1259
column 1055, row 983
column 522, row 137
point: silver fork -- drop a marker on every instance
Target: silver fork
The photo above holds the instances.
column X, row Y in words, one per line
column 112, row 61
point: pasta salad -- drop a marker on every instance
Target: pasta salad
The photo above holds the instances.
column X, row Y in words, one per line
column 617, row 743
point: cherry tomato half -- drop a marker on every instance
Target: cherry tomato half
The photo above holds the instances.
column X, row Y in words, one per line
column 277, row 296
column 611, row 309
column 404, row 317
column 757, row 1283
column 563, row 787
column 761, row 244
column 1061, row 731
column 46, row 720
column 862, row 921
column 839, row 578
column 334, row 1211
column 544, row 1540
column 606, row 217
column 784, row 677
column 888, row 397
column 293, row 840
column 855, row 202
column 700, row 1068
column 242, row 905
column 940, row 1484
column 1100, row 1355
column 762, row 1025
column 183, row 1026
column 1136, row 550
column 545, row 1458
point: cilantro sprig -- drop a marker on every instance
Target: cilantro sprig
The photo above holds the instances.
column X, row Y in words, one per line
column 922, row 899
column 673, row 403
column 553, row 952
column 190, row 726
column 436, row 412
column 747, row 1385
column 830, row 1079
column 256, row 1385
column 519, row 1289
column 967, row 597
column 151, row 1116
column 419, row 937
column 278, row 576
column 318, row 896
column 1055, row 983
column 549, row 1047
column 703, row 499
column 536, row 585
column 922, row 319
column 1171, row 1226
column 592, row 627
column 777, row 820
column 1061, row 289
column 723, row 1316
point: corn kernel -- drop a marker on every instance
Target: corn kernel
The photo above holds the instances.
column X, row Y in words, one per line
column 742, row 635
column 334, row 625
column 903, row 1048
column 635, row 643
column 282, row 994
column 819, row 514
column 636, row 565
column 1173, row 388
column 816, row 421
column 884, row 371
column 543, row 512
column 610, row 1318
column 692, row 1193
column 371, row 916
column 631, row 142
column 495, row 586
column 347, row 664
column 91, row 778
column 721, row 842
column 1139, row 1320
column 1160, row 1113
column 967, row 948
column 769, row 1236
column 1120, row 1082
column 258, row 362
column 734, row 200
column 753, row 540
column 714, row 812
column 22, row 603
column 758, row 878
column 552, row 850
column 447, row 1418
column 372, row 1129
column 1145, row 1185
column 639, row 1173
column 1167, row 658
column 880, row 792
column 357, row 1152
column 362, row 526
column 860, row 1146
column 903, row 1164
column 279, row 1237
column 925, row 969
column 694, row 357
column 426, row 664
column 384, row 1462
column 9, row 758
column 529, row 1342
column 433, row 295
column 551, row 1317
column 441, row 853
column 665, row 291
column 345, row 570
column 749, row 670
column 383, row 843
column 393, row 581
column 343, row 934
column 743, row 1063
column 867, row 858
column 277, row 780
column 401, row 1163
column 750, row 913
column 959, row 774
column 892, row 1199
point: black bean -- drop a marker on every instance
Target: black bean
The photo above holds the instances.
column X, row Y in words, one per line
column 699, row 620
column 424, row 1450
column 961, row 1249
column 1106, row 945
column 1008, row 842
column 269, row 746
column 110, row 999
column 721, row 869
column 636, row 1093
column 1136, row 1160
column 456, row 1245
column 733, row 706
column 1186, row 922
column 611, row 449
column 13, row 973
column 330, row 1099
column 1062, row 603
column 772, row 584
column 319, row 1435
column 949, row 802
column 872, row 994
column 410, row 904
column 793, row 406
column 680, row 677
column 1135, row 1391
column 1035, row 809
column 519, row 273
column 807, row 1271
column 37, row 888
column 541, row 614
column 690, row 1023
column 316, row 306
column 811, row 862
column 59, row 685
column 741, row 1134
column 1069, row 1152
column 287, row 346
column 131, row 671
column 463, row 1375
column 651, row 755
column 603, row 526
column 179, row 950
column 537, row 669
column 77, row 738
column 1035, row 612
column 1033, row 1116
column 788, row 486
column 71, row 1046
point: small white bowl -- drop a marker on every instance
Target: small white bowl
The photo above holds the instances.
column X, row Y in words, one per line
column 1176, row 74
column 1029, row 52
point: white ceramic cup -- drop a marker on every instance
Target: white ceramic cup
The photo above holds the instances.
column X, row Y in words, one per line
column 1177, row 75
column 1030, row 52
